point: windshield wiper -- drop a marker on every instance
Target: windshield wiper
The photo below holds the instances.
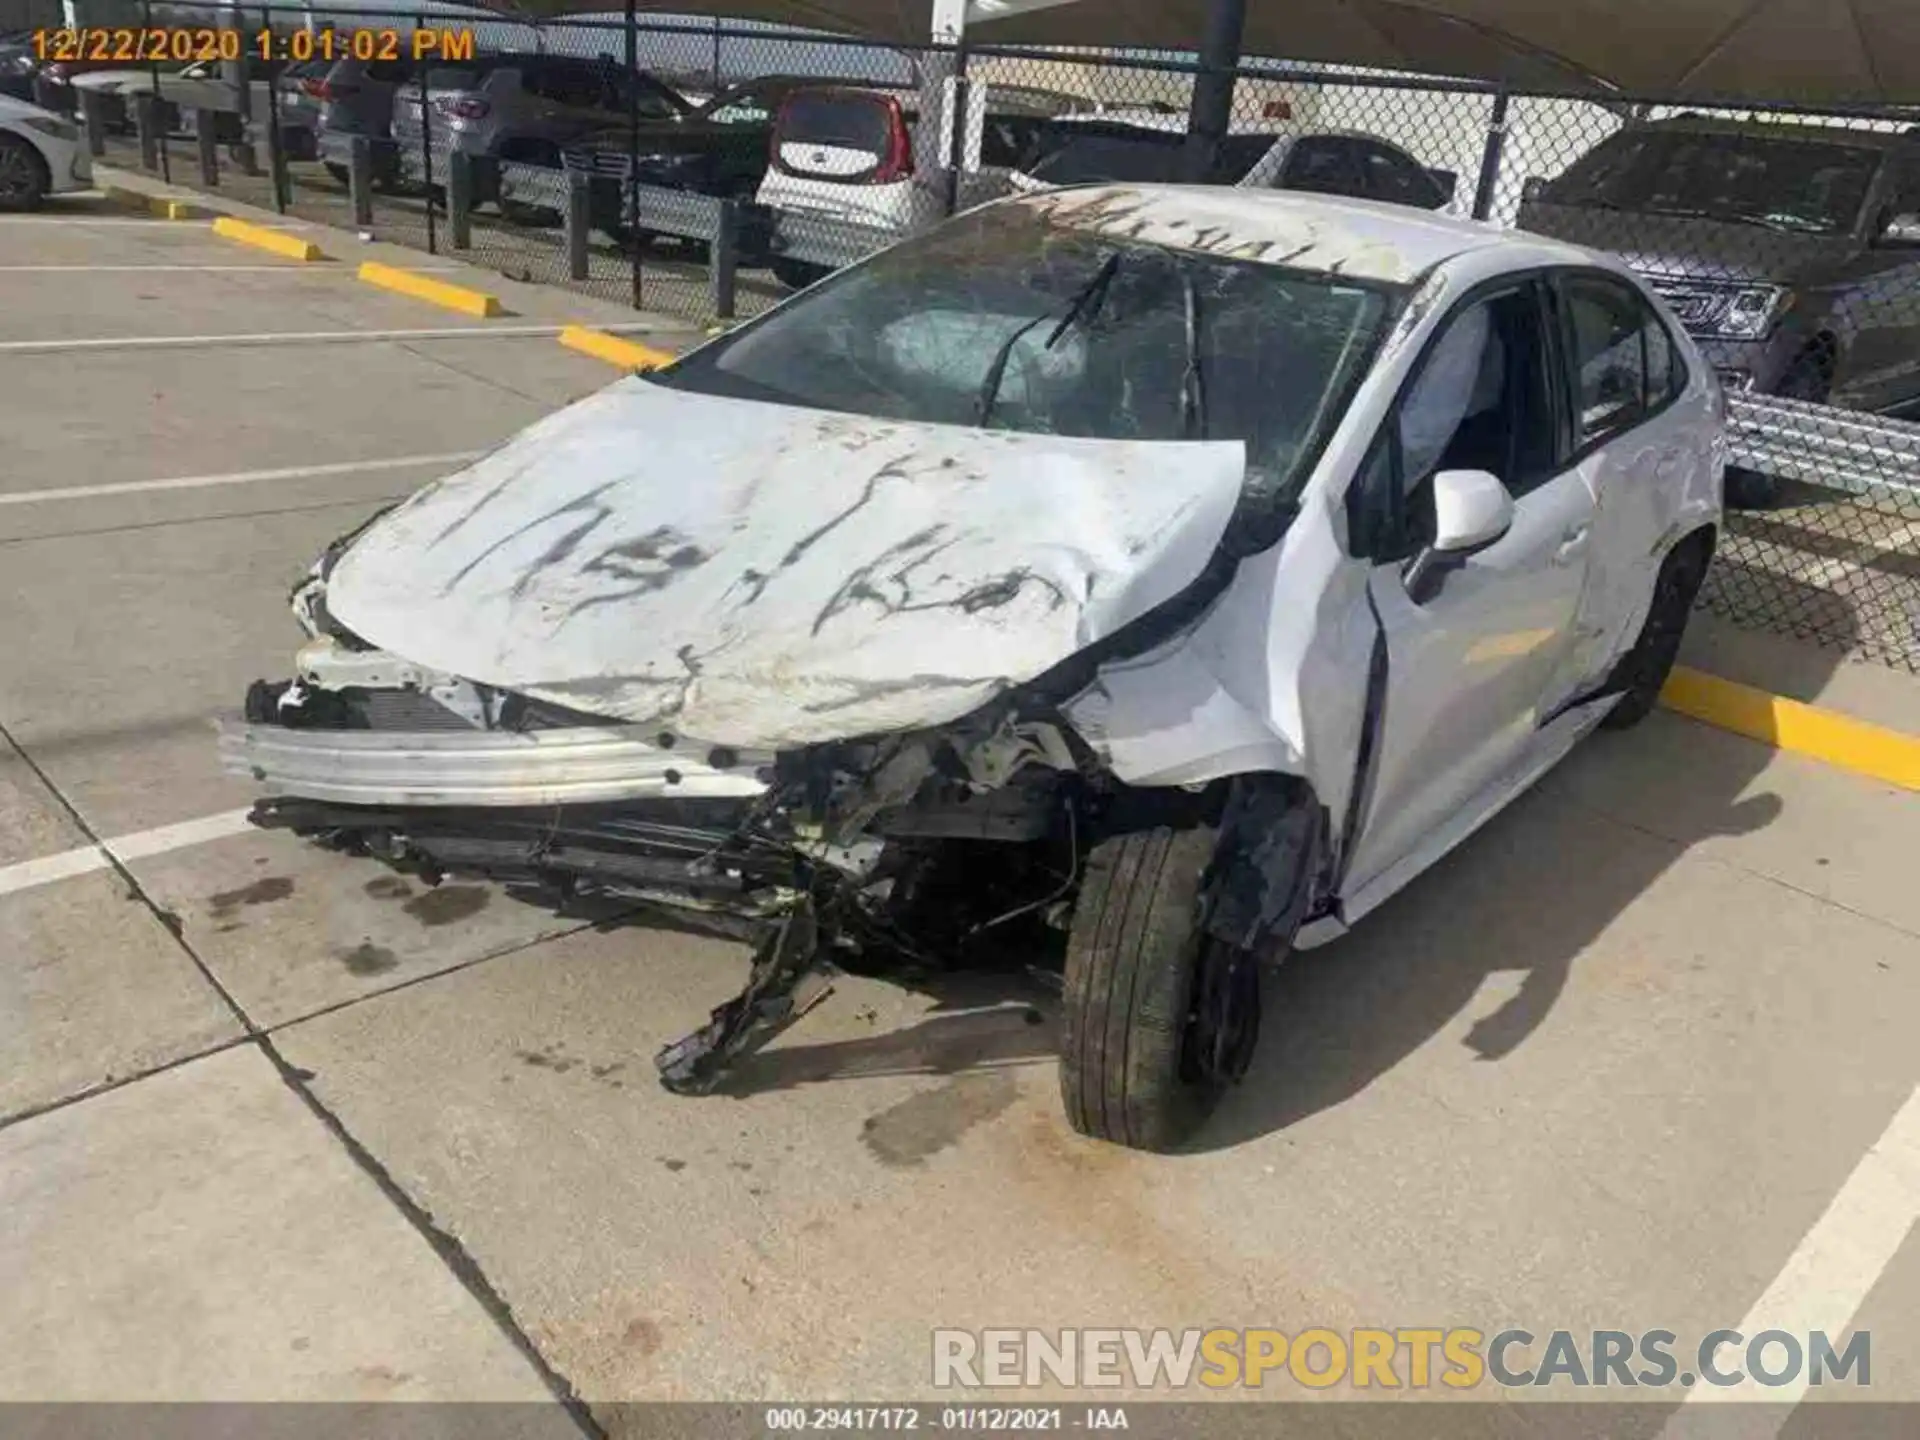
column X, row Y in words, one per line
column 1193, row 387
column 1086, row 302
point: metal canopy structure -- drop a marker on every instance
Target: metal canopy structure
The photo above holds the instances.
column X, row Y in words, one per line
column 1848, row 52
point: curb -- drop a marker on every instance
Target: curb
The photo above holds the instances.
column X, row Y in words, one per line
column 477, row 303
column 163, row 206
column 273, row 241
column 627, row 354
column 1839, row 740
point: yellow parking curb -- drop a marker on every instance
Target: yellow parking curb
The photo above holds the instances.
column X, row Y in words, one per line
column 164, row 206
column 627, row 354
column 277, row 242
column 1841, row 740
column 434, row 292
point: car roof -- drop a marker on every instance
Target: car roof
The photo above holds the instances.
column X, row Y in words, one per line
column 1777, row 130
column 1364, row 239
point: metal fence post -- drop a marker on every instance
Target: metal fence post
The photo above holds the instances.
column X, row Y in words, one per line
column 630, row 192
column 206, row 140
column 960, row 119
column 146, row 125
column 95, row 122
column 276, row 142
column 459, row 200
column 360, row 178
column 724, row 259
column 579, row 223
column 1490, row 157
column 154, row 136
column 426, row 145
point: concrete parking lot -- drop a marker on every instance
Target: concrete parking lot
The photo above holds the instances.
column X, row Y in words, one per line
column 276, row 1124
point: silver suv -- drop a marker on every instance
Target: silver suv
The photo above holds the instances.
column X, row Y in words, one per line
column 517, row 107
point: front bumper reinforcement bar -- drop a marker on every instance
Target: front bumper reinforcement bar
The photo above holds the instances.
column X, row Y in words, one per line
column 572, row 766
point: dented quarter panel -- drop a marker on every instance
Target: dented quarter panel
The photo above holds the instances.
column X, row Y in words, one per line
column 769, row 576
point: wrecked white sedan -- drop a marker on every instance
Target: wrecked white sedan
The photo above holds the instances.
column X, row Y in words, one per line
column 1180, row 571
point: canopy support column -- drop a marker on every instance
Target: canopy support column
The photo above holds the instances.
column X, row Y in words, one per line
column 1211, row 115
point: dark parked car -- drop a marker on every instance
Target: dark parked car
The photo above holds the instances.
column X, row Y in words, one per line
column 17, row 65
column 523, row 108
column 720, row 148
column 1079, row 151
column 1791, row 252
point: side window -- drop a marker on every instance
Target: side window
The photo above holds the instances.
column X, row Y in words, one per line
column 1479, row 401
column 1322, row 165
column 1666, row 373
column 1393, row 177
column 652, row 103
column 1903, row 190
column 1606, row 326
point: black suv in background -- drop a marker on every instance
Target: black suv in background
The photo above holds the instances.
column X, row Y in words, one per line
column 719, row 148
column 1790, row 252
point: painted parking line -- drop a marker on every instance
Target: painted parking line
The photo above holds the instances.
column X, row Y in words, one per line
column 237, row 477
column 1830, row 1272
column 283, row 268
column 290, row 337
column 85, row 859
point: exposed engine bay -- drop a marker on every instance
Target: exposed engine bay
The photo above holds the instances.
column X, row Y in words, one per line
column 929, row 850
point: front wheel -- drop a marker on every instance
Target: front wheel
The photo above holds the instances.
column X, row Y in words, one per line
column 1159, row 1016
column 24, row 181
column 1644, row 669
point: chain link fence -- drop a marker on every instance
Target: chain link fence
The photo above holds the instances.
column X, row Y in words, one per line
column 642, row 164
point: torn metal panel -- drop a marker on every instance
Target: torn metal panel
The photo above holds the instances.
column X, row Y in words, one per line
column 767, row 576
column 1271, row 678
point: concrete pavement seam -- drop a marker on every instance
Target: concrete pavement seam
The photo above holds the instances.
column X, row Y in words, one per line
column 452, row 1253
column 119, row 1082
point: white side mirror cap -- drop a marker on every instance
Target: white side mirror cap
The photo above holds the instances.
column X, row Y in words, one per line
column 1471, row 510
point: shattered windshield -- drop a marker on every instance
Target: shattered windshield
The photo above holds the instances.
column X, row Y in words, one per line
column 1784, row 182
column 1004, row 318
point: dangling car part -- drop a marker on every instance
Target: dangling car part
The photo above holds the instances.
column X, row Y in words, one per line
column 1178, row 572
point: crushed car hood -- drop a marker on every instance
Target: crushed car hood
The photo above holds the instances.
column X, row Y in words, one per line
column 767, row 576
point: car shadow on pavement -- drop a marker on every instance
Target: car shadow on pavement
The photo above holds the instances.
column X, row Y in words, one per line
column 1527, row 895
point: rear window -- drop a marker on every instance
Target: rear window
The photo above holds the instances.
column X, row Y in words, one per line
column 1140, row 158
column 1088, row 159
column 456, row 77
column 840, row 122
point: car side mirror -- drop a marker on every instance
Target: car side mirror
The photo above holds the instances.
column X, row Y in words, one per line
column 1901, row 229
column 1471, row 510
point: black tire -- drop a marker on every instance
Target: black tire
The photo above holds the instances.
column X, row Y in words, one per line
column 797, row 274
column 24, row 180
column 1128, row 1072
column 1645, row 668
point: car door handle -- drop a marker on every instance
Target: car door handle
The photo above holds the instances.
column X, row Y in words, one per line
column 1572, row 544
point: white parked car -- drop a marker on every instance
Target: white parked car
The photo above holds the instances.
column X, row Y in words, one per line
column 41, row 154
column 1180, row 571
